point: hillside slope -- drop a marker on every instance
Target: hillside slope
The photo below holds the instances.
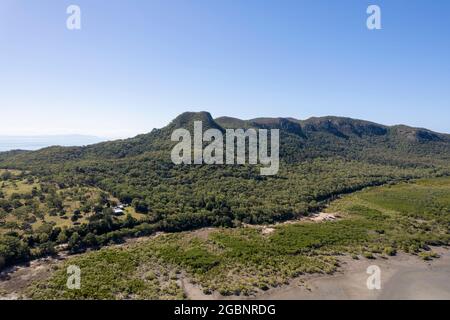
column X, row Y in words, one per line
column 320, row 159
column 300, row 139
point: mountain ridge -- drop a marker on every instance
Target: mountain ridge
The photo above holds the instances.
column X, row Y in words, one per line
column 316, row 136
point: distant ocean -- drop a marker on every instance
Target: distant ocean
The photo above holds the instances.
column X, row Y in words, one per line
column 8, row 143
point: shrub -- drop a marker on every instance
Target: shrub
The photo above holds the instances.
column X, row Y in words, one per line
column 428, row 255
column 390, row 251
column 368, row 255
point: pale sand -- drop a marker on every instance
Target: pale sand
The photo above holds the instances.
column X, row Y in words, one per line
column 402, row 277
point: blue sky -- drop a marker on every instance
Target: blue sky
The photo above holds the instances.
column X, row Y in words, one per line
column 136, row 64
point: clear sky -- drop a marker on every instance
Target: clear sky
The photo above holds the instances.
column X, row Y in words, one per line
column 137, row 64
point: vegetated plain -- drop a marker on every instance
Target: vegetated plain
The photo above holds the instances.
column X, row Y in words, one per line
column 375, row 222
column 62, row 198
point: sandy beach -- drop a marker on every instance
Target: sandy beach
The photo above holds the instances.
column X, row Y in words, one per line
column 402, row 277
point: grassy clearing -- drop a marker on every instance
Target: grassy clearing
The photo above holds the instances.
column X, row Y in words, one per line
column 130, row 210
column 11, row 171
column 20, row 187
column 377, row 221
column 27, row 204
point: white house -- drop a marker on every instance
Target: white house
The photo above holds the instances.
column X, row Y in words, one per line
column 118, row 211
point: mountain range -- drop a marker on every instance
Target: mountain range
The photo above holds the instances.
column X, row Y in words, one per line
column 320, row 158
column 300, row 139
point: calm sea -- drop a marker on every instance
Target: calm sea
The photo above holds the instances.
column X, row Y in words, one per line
column 39, row 142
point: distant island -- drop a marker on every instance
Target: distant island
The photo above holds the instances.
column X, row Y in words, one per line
column 31, row 142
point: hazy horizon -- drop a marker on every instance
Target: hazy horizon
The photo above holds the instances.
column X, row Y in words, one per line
column 37, row 141
column 113, row 137
column 31, row 143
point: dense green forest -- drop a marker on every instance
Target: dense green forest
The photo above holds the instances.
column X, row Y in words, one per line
column 373, row 223
column 61, row 198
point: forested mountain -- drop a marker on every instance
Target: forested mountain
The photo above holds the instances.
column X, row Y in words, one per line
column 300, row 140
column 140, row 167
column 320, row 158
